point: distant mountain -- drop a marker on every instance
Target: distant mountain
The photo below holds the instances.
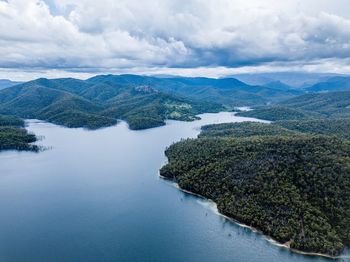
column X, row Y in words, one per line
column 4, row 83
column 228, row 91
column 98, row 102
column 292, row 79
column 338, row 83
column 278, row 85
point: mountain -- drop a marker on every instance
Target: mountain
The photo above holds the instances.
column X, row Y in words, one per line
column 4, row 83
column 338, row 83
column 98, row 102
column 280, row 86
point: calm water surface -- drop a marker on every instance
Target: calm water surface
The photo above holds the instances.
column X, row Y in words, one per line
column 96, row 196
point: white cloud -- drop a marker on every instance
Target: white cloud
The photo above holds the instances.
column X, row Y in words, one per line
column 128, row 35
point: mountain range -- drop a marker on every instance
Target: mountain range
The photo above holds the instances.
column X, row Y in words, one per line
column 292, row 79
column 142, row 101
column 145, row 101
column 337, row 83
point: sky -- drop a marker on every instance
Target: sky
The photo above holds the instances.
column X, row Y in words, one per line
column 69, row 38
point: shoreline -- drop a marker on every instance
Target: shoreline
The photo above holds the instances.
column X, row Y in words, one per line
column 253, row 229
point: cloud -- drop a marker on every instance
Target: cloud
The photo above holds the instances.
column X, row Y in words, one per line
column 107, row 35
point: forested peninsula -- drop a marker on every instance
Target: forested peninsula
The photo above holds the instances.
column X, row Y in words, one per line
column 13, row 135
column 289, row 179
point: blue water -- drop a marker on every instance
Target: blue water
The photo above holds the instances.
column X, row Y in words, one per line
column 97, row 196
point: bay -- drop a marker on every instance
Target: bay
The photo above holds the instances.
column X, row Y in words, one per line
column 97, row 196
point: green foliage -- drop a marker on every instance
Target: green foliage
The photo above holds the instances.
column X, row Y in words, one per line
column 332, row 104
column 332, row 127
column 11, row 121
column 244, row 129
column 138, row 123
column 323, row 105
column 13, row 136
column 291, row 186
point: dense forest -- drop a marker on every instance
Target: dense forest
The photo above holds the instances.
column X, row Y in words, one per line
column 243, row 129
column 14, row 136
column 330, row 127
column 283, row 178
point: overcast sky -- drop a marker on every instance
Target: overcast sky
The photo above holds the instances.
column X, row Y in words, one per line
column 56, row 38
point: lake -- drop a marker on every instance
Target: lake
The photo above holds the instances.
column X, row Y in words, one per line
column 97, row 196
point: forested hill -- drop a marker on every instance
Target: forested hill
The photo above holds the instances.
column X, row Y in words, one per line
column 320, row 105
column 282, row 178
column 97, row 103
column 13, row 136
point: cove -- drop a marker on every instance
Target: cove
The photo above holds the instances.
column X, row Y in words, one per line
column 97, row 196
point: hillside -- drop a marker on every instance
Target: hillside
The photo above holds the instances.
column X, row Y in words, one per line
column 291, row 186
column 330, row 127
column 244, row 129
column 332, row 104
column 13, row 136
column 97, row 103
column 320, row 105
column 273, row 113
